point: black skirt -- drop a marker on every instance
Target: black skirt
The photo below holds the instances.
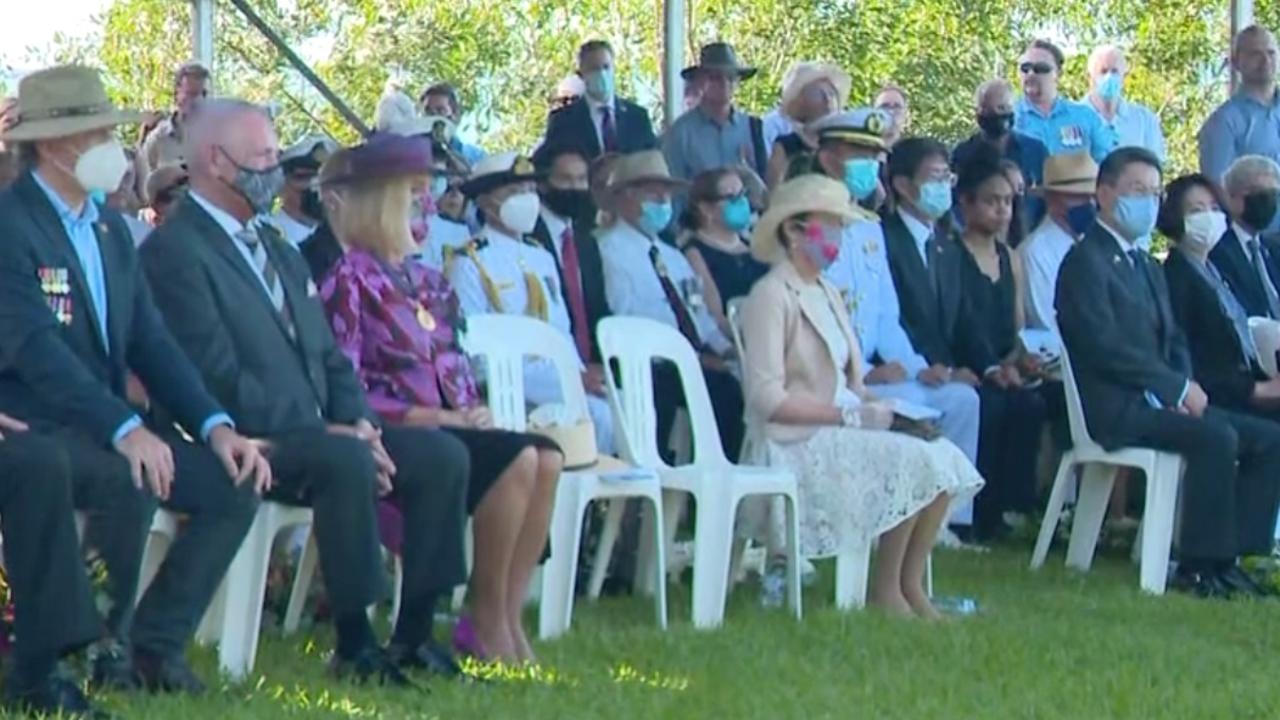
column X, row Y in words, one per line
column 492, row 451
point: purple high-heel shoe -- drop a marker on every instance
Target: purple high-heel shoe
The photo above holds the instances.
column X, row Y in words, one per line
column 465, row 642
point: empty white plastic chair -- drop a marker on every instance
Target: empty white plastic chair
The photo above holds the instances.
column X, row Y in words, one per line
column 717, row 486
column 1163, row 472
column 503, row 342
column 1266, row 338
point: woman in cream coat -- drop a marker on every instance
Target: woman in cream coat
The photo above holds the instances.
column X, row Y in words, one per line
column 857, row 480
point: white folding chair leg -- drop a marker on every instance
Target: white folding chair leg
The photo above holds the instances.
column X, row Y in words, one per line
column 1091, row 510
column 660, row 560
column 469, row 553
column 928, row 576
column 1157, row 524
column 712, row 546
column 302, row 580
column 673, row 503
column 853, row 566
column 245, row 585
column 210, row 629
column 1053, row 511
column 614, row 512
column 795, row 594
column 555, row 611
column 397, row 588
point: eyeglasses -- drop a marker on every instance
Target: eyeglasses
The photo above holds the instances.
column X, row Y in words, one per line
column 730, row 198
column 1039, row 68
column 946, row 177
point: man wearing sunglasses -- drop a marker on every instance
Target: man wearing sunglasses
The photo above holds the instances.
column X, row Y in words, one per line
column 1062, row 125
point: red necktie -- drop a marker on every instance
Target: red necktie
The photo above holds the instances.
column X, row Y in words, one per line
column 607, row 131
column 577, row 302
column 684, row 322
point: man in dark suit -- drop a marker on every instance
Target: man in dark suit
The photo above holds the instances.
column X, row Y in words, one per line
column 241, row 303
column 77, row 318
column 566, row 230
column 1133, row 371
column 600, row 121
column 1248, row 259
column 54, row 614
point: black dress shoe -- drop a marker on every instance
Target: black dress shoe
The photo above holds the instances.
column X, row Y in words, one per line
column 111, row 668
column 1241, row 584
column 373, row 664
column 166, row 674
column 429, row 657
column 1205, row 585
column 54, row 697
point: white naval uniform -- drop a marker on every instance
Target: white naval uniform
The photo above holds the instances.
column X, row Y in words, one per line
column 861, row 274
column 506, row 260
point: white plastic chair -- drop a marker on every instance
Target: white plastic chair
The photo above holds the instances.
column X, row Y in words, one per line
column 1266, row 338
column 717, row 486
column 1163, row 472
column 305, row 574
column 503, row 342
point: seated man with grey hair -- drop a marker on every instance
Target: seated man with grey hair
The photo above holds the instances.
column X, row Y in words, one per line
column 994, row 111
column 1133, row 123
column 1247, row 256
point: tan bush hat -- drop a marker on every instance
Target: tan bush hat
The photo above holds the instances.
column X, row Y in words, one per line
column 1074, row 173
column 647, row 166
column 803, row 74
column 64, row 100
column 805, row 194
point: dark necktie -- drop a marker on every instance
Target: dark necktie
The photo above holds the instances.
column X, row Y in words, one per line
column 930, row 263
column 270, row 278
column 608, row 132
column 577, row 302
column 684, row 321
column 1260, row 267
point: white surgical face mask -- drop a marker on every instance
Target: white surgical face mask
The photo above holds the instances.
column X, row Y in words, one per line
column 520, row 212
column 101, row 168
column 1203, row 229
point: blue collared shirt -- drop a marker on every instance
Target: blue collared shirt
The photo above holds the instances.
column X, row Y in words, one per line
column 1240, row 126
column 471, row 153
column 1069, row 127
column 1134, row 125
column 79, row 228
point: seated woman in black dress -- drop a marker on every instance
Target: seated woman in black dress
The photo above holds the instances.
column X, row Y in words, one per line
column 718, row 213
column 1224, row 359
column 1013, row 411
column 811, row 91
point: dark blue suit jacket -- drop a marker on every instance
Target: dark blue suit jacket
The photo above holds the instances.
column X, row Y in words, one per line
column 59, row 375
column 1237, row 269
column 1123, row 338
column 574, row 126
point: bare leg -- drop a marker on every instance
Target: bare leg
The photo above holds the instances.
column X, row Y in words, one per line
column 497, row 523
column 886, row 580
column 928, row 522
column 531, row 543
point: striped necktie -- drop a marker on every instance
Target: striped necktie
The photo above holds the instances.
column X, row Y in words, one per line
column 267, row 271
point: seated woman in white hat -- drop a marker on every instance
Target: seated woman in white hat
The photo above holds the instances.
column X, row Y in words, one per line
column 803, row 382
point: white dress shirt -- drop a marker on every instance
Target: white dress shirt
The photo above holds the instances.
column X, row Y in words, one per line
column 1042, row 255
column 632, row 286
column 233, row 227
column 292, row 230
column 920, row 232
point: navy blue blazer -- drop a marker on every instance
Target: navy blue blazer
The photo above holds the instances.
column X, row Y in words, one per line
column 573, row 126
column 1237, row 269
column 55, row 372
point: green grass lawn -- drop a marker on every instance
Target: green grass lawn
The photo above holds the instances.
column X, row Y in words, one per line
column 1052, row 644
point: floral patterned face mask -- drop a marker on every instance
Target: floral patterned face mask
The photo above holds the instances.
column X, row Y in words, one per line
column 822, row 243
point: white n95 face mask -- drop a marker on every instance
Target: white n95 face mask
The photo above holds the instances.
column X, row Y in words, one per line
column 520, row 212
column 101, row 168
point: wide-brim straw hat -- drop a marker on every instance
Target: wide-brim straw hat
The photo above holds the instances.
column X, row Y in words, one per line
column 719, row 56
column 496, row 171
column 62, row 101
column 806, row 194
column 804, row 74
column 1074, row 173
column 383, row 156
column 648, row 166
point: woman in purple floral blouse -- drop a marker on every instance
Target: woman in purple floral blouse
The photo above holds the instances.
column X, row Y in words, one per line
column 398, row 322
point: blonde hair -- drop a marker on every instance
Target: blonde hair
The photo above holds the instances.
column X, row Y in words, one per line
column 374, row 215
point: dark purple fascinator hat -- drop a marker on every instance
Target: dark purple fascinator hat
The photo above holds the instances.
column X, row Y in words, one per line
column 384, row 155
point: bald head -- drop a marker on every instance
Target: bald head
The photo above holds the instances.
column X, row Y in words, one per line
column 994, row 96
column 224, row 139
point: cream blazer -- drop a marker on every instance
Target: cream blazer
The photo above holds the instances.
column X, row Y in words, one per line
column 785, row 351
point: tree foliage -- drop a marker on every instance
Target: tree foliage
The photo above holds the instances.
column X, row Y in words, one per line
column 506, row 56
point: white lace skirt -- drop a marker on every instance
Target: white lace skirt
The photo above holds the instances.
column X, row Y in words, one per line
column 860, row 483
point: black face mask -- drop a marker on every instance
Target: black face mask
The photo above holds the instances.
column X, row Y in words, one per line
column 573, row 204
column 1260, row 208
column 311, row 205
column 996, row 125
